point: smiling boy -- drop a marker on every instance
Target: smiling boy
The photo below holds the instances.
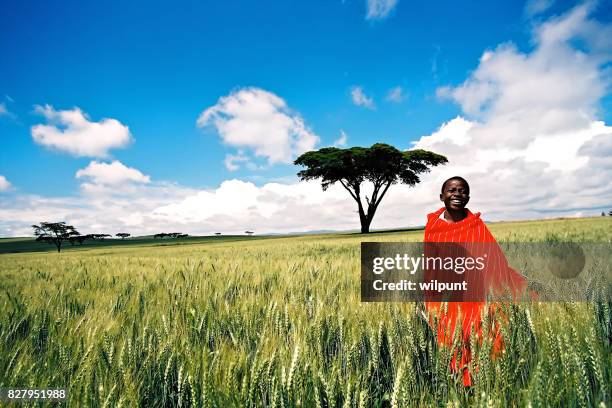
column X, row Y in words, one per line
column 457, row 224
column 455, row 195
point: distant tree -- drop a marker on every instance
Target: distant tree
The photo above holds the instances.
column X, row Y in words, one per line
column 162, row 235
column 99, row 236
column 249, row 233
column 178, row 235
column 610, row 213
column 55, row 233
column 603, row 214
column 217, row 233
column 80, row 239
column 381, row 164
column 122, row 235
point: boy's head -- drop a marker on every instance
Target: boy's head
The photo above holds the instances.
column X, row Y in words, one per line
column 455, row 193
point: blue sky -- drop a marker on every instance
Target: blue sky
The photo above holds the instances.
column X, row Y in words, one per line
column 156, row 67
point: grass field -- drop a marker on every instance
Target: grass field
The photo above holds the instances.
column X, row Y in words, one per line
column 278, row 322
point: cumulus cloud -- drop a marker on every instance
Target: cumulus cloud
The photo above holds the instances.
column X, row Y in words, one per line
column 259, row 121
column 535, row 7
column 554, row 89
column 379, row 9
column 98, row 208
column 114, row 173
column 72, row 131
column 396, row 95
column 231, row 208
column 531, row 139
column 341, row 141
column 231, row 161
column 361, row 99
column 237, row 205
column 4, row 183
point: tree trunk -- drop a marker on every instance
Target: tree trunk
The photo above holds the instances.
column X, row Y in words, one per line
column 365, row 227
column 364, row 219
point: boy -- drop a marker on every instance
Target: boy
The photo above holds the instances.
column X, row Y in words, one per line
column 455, row 223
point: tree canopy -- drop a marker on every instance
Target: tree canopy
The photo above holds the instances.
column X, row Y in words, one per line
column 99, row 236
column 381, row 164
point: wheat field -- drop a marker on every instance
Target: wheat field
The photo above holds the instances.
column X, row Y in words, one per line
column 279, row 323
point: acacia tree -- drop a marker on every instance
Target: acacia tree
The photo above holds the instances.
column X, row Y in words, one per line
column 122, row 235
column 381, row 164
column 79, row 238
column 249, row 233
column 55, row 233
column 99, row 236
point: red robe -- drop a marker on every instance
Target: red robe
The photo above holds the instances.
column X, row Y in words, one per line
column 497, row 276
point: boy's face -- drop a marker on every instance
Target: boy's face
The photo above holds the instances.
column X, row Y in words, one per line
column 455, row 195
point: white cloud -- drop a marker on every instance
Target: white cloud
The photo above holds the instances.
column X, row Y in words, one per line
column 341, row 141
column 555, row 173
column 534, row 144
column 361, row 99
column 396, row 95
column 4, row 110
column 97, row 208
column 113, row 173
column 554, row 89
column 72, row 131
column 260, row 121
column 379, row 9
column 231, row 161
column 535, row 7
column 232, row 207
column 4, row 183
column 237, row 205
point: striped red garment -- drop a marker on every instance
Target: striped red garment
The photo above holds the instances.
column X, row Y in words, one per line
column 497, row 276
